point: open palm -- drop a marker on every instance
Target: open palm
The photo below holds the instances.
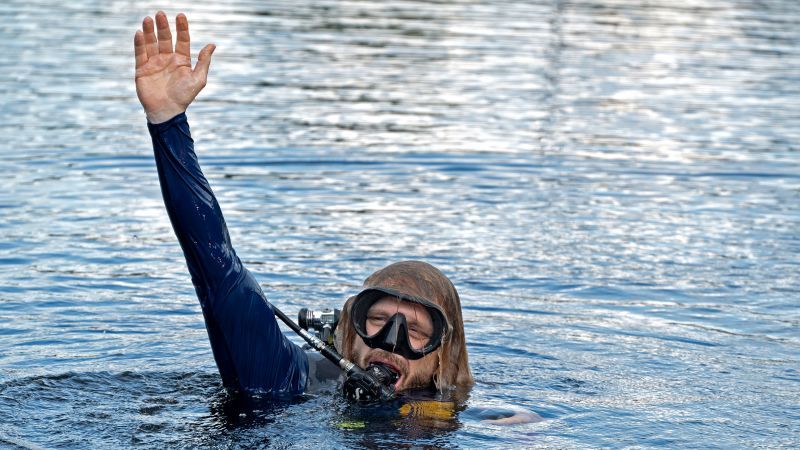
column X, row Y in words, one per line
column 165, row 81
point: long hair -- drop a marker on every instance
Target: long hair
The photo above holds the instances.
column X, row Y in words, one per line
column 423, row 280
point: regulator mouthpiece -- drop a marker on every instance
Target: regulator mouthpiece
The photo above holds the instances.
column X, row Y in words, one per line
column 375, row 384
column 386, row 375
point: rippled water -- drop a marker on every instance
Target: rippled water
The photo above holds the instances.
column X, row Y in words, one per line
column 612, row 185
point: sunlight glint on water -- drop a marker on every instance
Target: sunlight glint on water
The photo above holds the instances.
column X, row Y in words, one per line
column 612, row 185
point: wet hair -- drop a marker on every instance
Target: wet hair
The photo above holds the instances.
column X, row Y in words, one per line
column 423, row 280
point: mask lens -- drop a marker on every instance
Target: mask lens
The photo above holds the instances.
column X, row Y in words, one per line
column 418, row 320
column 403, row 324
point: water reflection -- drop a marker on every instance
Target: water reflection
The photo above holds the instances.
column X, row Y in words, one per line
column 611, row 185
column 423, row 416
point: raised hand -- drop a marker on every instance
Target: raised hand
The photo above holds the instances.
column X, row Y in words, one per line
column 165, row 81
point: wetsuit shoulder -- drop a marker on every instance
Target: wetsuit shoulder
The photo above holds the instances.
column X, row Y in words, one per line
column 323, row 375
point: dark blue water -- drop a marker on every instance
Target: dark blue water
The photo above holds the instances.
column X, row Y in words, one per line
column 613, row 186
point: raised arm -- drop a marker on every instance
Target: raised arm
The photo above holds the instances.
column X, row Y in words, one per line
column 251, row 352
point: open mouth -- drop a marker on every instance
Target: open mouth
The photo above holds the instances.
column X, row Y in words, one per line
column 391, row 366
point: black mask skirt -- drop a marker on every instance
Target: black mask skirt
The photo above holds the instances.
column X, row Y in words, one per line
column 393, row 336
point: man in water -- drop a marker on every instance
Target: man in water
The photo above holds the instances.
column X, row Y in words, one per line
column 407, row 317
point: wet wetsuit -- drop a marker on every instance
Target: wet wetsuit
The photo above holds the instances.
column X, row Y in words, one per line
column 251, row 352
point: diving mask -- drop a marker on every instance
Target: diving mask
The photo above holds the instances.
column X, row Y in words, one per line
column 394, row 334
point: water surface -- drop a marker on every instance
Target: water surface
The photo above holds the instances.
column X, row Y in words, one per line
column 612, row 186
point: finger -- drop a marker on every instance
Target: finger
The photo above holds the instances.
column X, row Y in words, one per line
column 182, row 27
column 203, row 61
column 139, row 50
column 150, row 42
column 164, row 35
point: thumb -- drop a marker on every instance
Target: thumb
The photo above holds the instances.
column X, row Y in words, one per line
column 203, row 61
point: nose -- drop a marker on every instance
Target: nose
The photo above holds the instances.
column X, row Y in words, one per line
column 393, row 336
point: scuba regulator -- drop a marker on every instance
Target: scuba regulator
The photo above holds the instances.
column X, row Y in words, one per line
column 323, row 322
column 375, row 384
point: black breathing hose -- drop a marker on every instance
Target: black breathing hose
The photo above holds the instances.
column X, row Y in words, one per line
column 373, row 384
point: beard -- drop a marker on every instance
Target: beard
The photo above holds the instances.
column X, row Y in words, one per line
column 408, row 379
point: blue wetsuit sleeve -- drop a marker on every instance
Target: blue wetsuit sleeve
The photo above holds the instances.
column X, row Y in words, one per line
column 251, row 352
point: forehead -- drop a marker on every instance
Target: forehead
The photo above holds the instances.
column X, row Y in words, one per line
column 391, row 304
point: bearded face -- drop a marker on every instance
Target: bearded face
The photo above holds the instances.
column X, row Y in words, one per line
column 407, row 317
column 412, row 372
